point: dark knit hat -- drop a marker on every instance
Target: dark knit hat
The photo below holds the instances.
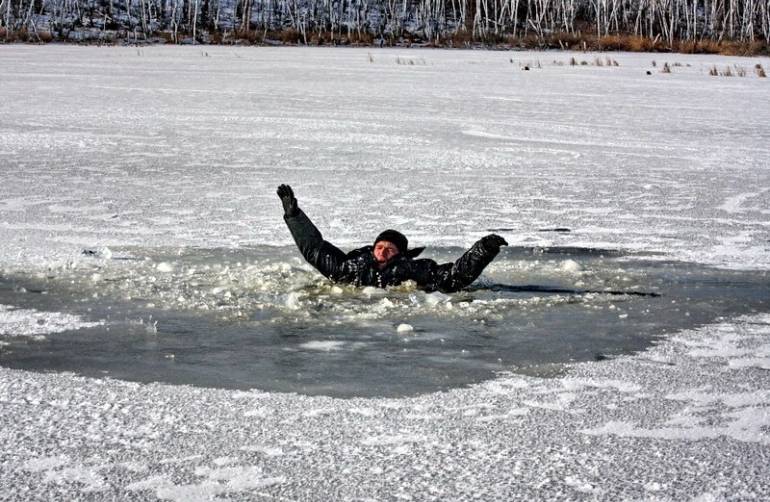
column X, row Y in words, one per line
column 396, row 237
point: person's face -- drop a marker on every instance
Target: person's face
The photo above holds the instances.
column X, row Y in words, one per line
column 384, row 251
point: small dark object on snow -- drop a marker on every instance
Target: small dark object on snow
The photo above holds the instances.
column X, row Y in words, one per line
column 649, row 72
column 557, row 229
column 526, row 68
column 363, row 267
column 90, row 252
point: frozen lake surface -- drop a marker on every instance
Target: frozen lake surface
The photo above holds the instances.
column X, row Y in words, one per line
column 173, row 154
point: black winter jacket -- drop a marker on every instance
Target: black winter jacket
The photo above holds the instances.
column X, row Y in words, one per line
column 360, row 268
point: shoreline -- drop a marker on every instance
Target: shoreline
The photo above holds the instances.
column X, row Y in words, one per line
column 554, row 43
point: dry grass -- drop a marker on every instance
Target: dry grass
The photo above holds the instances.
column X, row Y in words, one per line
column 581, row 40
column 295, row 37
column 24, row 35
column 360, row 39
column 611, row 43
column 563, row 41
column 410, row 61
column 460, row 39
column 291, row 36
column 168, row 37
column 16, row 36
column 724, row 47
column 735, row 70
column 598, row 61
column 250, row 36
column 45, row 36
column 643, row 44
column 633, row 43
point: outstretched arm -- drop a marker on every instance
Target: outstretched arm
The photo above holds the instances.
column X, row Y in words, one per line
column 324, row 256
column 451, row 277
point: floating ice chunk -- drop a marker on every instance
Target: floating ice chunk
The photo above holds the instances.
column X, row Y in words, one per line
column 292, row 300
column 404, row 328
column 570, row 266
column 336, row 290
column 435, row 298
column 326, row 345
column 34, row 323
column 164, row 267
column 372, row 292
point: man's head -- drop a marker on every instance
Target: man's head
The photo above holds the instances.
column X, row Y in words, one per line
column 388, row 245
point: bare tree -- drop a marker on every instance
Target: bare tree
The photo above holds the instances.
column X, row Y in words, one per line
column 669, row 20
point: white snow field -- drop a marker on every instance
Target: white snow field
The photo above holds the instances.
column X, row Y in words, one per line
column 107, row 147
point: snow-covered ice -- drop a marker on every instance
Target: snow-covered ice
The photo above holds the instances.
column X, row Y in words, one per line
column 30, row 322
column 106, row 148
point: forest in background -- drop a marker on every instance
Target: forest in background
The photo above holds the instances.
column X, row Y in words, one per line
column 704, row 26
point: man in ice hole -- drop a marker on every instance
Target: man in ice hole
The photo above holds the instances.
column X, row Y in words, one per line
column 389, row 261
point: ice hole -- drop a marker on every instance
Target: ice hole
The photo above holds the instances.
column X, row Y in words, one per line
column 262, row 318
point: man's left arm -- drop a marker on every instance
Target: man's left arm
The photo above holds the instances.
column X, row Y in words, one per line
column 451, row 277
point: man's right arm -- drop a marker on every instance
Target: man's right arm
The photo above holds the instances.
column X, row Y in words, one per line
column 323, row 255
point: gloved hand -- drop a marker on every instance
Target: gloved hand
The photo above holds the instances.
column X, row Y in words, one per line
column 288, row 200
column 492, row 242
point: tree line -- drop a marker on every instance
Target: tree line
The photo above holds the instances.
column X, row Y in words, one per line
column 441, row 22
